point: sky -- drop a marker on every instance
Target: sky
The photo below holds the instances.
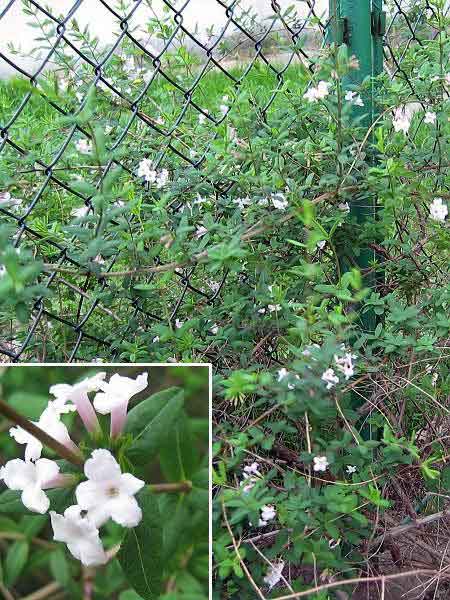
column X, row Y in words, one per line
column 198, row 13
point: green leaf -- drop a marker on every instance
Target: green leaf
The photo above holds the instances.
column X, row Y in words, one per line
column 140, row 554
column 149, row 441
column 59, row 567
column 445, row 478
column 141, row 415
column 16, row 559
column 29, row 407
column 179, row 458
column 60, row 499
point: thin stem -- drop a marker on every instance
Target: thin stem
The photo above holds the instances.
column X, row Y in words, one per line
column 38, row 433
column 167, row 488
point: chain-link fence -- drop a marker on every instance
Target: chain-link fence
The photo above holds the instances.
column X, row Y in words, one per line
column 154, row 71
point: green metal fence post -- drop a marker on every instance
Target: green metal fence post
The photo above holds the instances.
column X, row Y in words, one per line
column 360, row 25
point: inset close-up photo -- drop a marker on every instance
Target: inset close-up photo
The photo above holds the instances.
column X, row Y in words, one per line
column 105, row 478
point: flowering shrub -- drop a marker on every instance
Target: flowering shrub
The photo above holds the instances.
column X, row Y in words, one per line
column 236, row 223
column 96, row 499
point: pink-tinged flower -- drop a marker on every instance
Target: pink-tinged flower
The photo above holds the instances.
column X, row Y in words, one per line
column 78, row 394
column 80, row 535
column 31, row 479
column 109, row 493
column 50, row 422
column 115, row 397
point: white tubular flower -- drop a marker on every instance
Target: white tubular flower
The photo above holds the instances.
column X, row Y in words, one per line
column 31, row 479
column 430, row 118
column 274, row 574
column 115, row 397
column 252, row 469
column 330, row 378
column 279, row 201
column 78, row 394
column 80, row 212
column 50, row 423
column 438, row 210
column 268, row 513
column 351, row 469
column 354, row 98
column 80, row 535
column 84, row 146
column 402, row 119
column 345, row 364
column 320, row 463
column 109, row 493
column 282, row 373
column 314, row 94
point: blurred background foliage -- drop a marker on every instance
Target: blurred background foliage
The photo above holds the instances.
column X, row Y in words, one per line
column 33, row 567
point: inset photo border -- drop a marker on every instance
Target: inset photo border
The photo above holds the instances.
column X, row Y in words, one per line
column 105, row 481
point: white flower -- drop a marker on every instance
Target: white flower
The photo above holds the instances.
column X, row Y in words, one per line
column 274, row 307
column 263, row 202
column 321, row 244
column 80, row 535
column 82, row 211
column 351, row 469
column 224, row 109
column 345, row 364
column 282, row 373
column 438, row 210
column 146, row 170
column 31, row 479
column 213, row 285
column 201, row 118
column 214, row 329
column 344, row 206
column 242, row 202
column 7, row 200
column 268, row 513
column 274, row 574
column 430, row 118
column 354, row 98
column 320, row 463
column 248, row 483
column 109, row 493
column 434, row 379
column 261, row 311
column 314, row 94
column 155, row 340
column 115, row 396
column 78, row 394
column 330, row 378
column 200, row 232
column 252, row 469
column 51, row 424
column 279, row 201
column 84, row 146
column 99, row 259
column 162, row 178
column 178, row 324
column 402, row 119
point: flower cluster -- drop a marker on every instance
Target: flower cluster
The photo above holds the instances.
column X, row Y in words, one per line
column 147, row 170
column 107, row 493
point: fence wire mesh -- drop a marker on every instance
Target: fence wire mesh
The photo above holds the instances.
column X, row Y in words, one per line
column 155, row 74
